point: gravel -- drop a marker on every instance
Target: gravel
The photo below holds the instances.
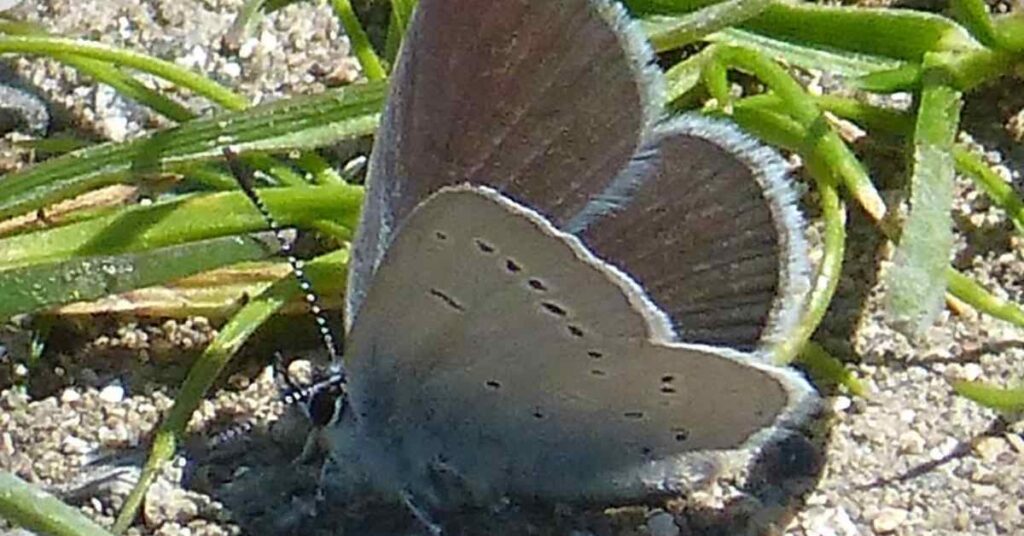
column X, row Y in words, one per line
column 910, row 458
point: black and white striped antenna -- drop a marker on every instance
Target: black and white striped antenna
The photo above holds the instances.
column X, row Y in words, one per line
column 245, row 179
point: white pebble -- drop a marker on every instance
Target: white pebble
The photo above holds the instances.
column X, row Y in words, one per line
column 841, row 404
column 70, row 396
column 75, row 445
column 112, row 393
column 232, row 69
column 888, row 520
column 911, row 442
column 972, row 371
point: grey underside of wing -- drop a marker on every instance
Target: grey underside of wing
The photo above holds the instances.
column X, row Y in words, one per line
column 710, row 230
column 483, row 93
column 497, row 345
column 480, row 95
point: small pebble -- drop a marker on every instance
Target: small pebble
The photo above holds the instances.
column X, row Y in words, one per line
column 971, row 372
column 112, row 393
column 662, row 524
column 841, row 404
column 990, row 448
column 888, row 520
column 75, row 445
column 911, row 442
column 70, row 396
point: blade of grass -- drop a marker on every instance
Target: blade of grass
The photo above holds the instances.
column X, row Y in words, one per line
column 684, row 77
column 669, row 32
column 1005, row 400
column 1010, row 29
column 40, row 512
column 893, row 33
column 823, row 365
column 972, row 69
column 874, row 118
column 665, row 7
column 303, row 122
column 846, row 63
column 401, row 14
column 326, row 273
column 997, row 189
column 321, row 170
column 360, row 41
column 830, row 269
column 917, row 281
column 904, row 78
column 40, row 286
column 57, row 46
column 973, row 15
column 243, row 24
column 803, row 110
column 132, row 88
column 105, row 73
column 213, row 294
column 196, row 217
column 970, row 292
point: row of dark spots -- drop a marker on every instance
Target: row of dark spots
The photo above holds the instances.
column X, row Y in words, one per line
column 536, row 284
column 559, row 311
column 511, row 265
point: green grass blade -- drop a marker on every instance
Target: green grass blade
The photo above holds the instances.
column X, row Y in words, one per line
column 401, row 14
column 970, row 292
column 40, row 286
column 972, row 69
column 300, row 123
column 973, row 15
column 669, row 32
column 907, row 77
column 197, row 217
column 666, row 7
column 802, row 108
column 821, row 364
column 326, row 273
column 917, row 281
column 1010, row 28
column 110, row 75
column 40, row 512
column 684, row 77
column 57, row 46
column 829, row 270
column 361, row 46
column 1000, row 399
column 900, row 34
column 997, row 189
column 846, row 63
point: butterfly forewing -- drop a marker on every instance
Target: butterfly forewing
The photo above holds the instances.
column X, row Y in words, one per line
column 544, row 101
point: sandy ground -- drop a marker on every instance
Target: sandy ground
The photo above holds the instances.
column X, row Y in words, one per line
column 911, row 458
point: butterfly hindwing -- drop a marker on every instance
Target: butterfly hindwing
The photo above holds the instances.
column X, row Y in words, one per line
column 499, row 345
column 705, row 220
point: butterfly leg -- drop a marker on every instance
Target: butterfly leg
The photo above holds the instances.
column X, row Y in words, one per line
column 421, row 514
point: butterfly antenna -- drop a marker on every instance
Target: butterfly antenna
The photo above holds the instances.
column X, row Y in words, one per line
column 245, row 179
